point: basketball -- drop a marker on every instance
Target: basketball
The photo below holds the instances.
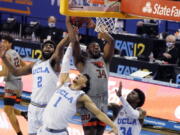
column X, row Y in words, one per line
column 79, row 21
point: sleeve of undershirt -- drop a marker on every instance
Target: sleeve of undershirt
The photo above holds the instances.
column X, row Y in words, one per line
column 65, row 66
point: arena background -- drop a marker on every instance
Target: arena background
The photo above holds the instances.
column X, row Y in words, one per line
column 163, row 99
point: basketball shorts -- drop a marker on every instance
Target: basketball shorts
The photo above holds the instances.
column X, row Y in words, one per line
column 88, row 118
column 34, row 118
column 43, row 131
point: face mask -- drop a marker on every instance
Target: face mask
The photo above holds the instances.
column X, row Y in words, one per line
column 51, row 25
column 169, row 44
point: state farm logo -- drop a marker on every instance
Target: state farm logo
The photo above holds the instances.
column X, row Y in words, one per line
column 161, row 9
column 147, row 8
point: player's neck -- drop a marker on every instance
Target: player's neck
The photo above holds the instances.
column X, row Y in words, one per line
column 74, row 86
column 133, row 105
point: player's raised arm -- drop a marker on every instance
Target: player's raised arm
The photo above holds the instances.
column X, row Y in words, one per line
column 65, row 66
column 27, row 69
column 137, row 114
column 72, row 32
column 109, row 46
column 58, row 54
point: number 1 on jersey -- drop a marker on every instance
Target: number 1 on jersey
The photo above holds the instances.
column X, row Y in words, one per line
column 57, row 101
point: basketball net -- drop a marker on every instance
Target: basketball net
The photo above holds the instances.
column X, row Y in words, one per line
column 104, row 24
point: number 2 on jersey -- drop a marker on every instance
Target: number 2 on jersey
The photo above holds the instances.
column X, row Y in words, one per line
column 57, row 101
column 126, row 131
column 39, row 81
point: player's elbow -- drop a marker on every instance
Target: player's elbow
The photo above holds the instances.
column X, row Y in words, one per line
column 16, row 73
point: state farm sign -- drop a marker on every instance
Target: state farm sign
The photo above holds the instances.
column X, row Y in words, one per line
column 159, row 9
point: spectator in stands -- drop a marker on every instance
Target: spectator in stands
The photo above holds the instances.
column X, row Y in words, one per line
column 51, row 32
column 170, row 53
column 147, row 28
column 139, row 29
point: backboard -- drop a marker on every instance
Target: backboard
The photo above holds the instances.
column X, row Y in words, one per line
column 93, row 8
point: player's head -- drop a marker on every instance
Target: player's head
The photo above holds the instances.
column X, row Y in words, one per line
column 83, row 81
column 48, row 48
column 136, row 97
column 94, row 50
column 7, row 41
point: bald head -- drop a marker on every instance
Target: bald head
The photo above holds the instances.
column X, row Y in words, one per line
column 52, row 22
column 52, row 19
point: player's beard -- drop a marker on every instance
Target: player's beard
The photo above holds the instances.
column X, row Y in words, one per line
column 47, row 55
column 95, row 56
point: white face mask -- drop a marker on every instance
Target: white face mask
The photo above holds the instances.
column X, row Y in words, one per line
column 51, row 25
column 169, row 44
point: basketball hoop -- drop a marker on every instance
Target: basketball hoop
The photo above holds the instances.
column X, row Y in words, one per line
column 105, row 24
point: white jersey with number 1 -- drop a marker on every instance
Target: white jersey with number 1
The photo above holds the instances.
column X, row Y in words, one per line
column 126, row 124
column 44, row 82
column 61, row 107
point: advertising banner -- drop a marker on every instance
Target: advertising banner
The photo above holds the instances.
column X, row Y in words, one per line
column 35, row 8
column 160, row 9
column 28, row 49
column 161, row 101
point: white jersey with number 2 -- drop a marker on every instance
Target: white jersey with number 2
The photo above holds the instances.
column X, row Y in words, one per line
column 44, row 82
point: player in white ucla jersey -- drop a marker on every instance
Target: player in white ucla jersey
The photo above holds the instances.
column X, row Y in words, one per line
column 129, row 117
column 97, row 67
column 13, row 84
column 44, row 80
column 65, row 101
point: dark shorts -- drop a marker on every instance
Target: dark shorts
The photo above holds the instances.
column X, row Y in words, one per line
column 11, row 99
column 89, row 120
column 94, row 122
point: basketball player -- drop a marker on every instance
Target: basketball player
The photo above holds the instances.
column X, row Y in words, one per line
column 129, row 116
column 65, row 101
column 13, row 84
column 97, row 67
column 44, row 80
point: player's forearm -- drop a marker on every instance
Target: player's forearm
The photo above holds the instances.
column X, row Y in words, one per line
column 108, row 38
column 101, row 116
column 9, row 66
column 65, row 67
column 71, row 31
column 3, row 72
column 131, row 112
column 62, row 43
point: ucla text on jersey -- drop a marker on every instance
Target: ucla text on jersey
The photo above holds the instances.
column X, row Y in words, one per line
column 65, row 94
column 40, row 70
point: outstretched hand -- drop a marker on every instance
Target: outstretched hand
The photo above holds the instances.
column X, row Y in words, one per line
column 114, row 131
column 119, row 91
column 3, row 50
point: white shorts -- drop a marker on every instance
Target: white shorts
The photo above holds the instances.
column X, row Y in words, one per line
column 34, row 118
column 43, row 131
